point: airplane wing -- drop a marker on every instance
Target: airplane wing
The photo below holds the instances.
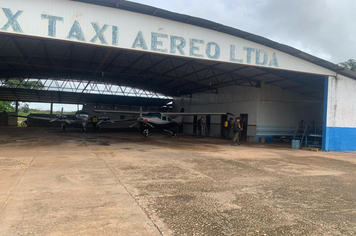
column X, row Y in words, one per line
column 101, row 122
column 63, row 120
column 166, row 113
column 35, row 117
column 128, row 120
column 121, row 112
column 194, row 113
column 46, row 118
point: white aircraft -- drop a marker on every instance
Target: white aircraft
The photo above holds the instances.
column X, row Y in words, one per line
column 80, row 117
column 161, row 121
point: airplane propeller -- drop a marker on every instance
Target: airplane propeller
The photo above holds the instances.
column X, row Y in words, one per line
column 105, row 119
column 148, row 124
column 133, row 125
column 141, row 120
column 61, row 117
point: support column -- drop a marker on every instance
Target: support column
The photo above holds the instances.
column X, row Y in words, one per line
column 325, row 143
column 51, row 108
column 259, row 94
column 17, row 107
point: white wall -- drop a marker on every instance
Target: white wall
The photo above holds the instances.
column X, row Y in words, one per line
column 234, row 99
column 341, row 102
column 281, row 111
column 340, row 129
column 271, row 110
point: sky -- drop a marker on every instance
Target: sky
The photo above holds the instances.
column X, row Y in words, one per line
column 56, row 107
column 323, row 28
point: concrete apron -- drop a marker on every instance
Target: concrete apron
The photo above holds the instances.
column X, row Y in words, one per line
column 54, row 194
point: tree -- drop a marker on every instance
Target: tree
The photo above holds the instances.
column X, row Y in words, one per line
column 25, row 108
column 6, row 106
column 13, row 83
column 350, row 64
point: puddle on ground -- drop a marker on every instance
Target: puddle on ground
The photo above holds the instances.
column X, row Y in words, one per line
column 74, row 141
column 28, row 140
column 89, row 141
column 3, row 142
column 104, row 144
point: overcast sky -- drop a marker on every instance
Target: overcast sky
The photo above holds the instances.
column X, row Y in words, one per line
column 323, row 28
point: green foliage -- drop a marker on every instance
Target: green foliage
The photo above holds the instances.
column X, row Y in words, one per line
column 25, row 108
column 6, row 106
column 32, row 111
column 350, row 64
column 13, row 83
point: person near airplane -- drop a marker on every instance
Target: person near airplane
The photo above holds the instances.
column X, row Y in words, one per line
column 94, row 122
column 237, row 130
column 228, row 127
column 200, row 127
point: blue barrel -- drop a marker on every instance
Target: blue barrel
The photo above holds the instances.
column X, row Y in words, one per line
column 295, row 144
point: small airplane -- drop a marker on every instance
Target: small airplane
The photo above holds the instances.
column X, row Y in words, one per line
column 161, row 121
column 80, row 117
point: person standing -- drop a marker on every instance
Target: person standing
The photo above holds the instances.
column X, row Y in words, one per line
column 229, row 128
column 94, row 122
column 200, row 127
column 237, row 130
column 226, row 127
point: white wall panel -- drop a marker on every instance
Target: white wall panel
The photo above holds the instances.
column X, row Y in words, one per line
column 271, row 110
column 341, row 102
column 92, row 24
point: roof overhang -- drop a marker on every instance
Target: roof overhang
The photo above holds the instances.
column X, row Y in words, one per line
column 207, row 24
column 24, row 56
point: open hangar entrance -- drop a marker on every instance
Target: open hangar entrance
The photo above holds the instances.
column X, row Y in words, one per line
column 273, row 101
column 204, row 66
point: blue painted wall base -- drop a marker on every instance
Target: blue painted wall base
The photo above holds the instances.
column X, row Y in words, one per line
column 341, row 139
column 269, row 138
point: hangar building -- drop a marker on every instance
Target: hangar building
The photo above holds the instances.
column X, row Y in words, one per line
column 203, row 65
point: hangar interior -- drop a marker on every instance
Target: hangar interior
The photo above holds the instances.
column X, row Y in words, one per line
column 275, row 101
column 269, row 110
column 271, row 101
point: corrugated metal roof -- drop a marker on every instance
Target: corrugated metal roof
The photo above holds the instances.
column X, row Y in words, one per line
column 167, row 75
column 157, row 12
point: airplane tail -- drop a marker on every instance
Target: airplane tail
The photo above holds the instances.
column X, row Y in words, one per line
column 179, row 119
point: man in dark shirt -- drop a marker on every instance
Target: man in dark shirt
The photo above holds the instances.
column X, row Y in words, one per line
column 229, row 128
column 237, row 129
column 200, row 126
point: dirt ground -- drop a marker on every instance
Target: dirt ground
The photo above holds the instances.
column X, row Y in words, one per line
column 56, row 182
